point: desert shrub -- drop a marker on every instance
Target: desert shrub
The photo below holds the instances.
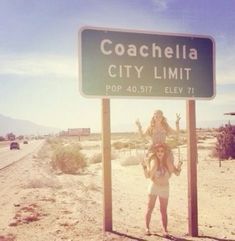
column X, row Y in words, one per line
column 121, row 145
column 97, row 158
column 203, row 147
column 225, row 146
column 132, row 160
column 54, row 143
column 68, row 159
column 202, row 137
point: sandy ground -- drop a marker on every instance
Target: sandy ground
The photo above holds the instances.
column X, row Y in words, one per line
column 39, row 205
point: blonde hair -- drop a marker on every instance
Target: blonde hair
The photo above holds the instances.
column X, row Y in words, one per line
column 163, row 122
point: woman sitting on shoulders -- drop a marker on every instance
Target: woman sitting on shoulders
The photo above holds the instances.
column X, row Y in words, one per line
column 158, row 130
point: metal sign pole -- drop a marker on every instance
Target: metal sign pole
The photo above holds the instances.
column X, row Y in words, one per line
column 192, row 169
column 106, row 160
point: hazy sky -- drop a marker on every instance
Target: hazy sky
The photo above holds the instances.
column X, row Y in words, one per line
column 39, row 58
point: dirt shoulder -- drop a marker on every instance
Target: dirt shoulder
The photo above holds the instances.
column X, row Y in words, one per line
column 38, row 204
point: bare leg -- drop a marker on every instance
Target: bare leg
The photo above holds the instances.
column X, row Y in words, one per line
column 163, row 209
column 151, row 204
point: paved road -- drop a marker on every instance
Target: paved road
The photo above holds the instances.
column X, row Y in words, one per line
column 7, row 156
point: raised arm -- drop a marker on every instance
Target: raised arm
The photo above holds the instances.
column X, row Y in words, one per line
column 177, row 169
column 173, row 169
column 143, row 134
column 177, row 125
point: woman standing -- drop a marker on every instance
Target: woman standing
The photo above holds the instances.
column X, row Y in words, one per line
column 159, row 169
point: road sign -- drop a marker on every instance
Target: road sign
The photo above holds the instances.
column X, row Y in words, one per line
column 117, row 63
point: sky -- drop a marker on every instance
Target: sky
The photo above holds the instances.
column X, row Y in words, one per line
column 39, row 78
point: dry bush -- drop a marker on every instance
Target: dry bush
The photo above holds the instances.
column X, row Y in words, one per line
column 225, row 146
column 125, row 145
column 54, row 142
column 68, row 159
column 203, row 147
column 97, row 158
column 132, row 160
column 93, row 187
column 202, row 137
column 120, row 145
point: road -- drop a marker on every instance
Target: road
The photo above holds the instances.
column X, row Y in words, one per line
column 8, row 157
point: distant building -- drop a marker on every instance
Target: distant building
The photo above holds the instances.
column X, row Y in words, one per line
column 76, row 132
column 79, row 132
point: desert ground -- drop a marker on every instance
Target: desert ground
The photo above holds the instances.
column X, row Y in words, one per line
column 40, row 204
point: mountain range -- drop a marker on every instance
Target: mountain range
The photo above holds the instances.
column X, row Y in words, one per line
column 23, row 127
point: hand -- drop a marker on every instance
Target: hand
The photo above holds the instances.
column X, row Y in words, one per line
column 177, row 171
column 178, row 168
column 137, row 122
column 177, row 118
column 180, row 163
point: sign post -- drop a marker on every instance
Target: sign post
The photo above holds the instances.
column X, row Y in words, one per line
column 106, row 160
column 118, row 63
column 192, row 169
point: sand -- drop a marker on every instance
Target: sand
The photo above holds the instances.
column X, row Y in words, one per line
column 40, row 204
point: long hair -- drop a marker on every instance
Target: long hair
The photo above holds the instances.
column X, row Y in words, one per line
column 163, row 122
column 165, row 148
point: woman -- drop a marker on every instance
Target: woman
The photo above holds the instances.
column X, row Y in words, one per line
column 159, row 129
column 159, row 169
